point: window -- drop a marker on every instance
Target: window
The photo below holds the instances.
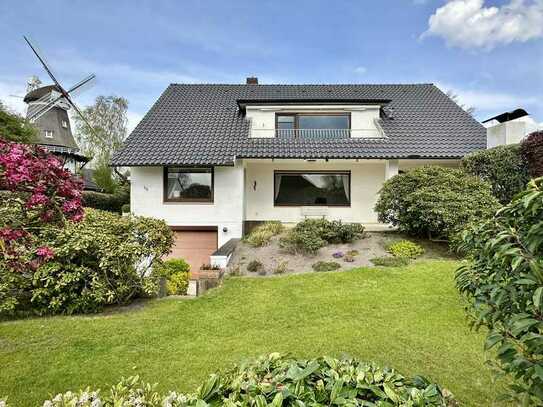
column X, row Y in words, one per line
column 188, row 184
column 297, row 188
column 49, row 133
column 313, row 124
column 64, row 124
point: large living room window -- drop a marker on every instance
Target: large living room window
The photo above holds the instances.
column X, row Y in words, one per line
column 313, row 124
column 312, row 188
column 188, row 184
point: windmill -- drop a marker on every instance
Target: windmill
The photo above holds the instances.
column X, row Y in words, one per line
column 48, row 110
column 59, row 95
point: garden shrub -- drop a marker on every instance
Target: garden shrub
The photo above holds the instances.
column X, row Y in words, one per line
column 125, row 208
column 325, row 266
column 275, row 381
column 281, row 267
column 104, row 259
column 405, row 248
column 176, row 273
column 503, row 283
column 434, row 202
column 531, row 150
column 39, row 194
column 310, row 235
column 387, row 261
column 254, row 266
column 503, row 167
column 107, row 202
column 261, row 235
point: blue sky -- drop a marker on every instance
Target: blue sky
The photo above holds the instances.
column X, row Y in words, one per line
column 489, row 52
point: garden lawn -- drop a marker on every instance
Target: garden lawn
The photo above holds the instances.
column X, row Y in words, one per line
column 409, row 318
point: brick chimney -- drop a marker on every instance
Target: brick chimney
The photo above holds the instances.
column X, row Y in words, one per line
column 252, row 80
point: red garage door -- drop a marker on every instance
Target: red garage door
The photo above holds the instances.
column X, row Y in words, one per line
column 195, row 246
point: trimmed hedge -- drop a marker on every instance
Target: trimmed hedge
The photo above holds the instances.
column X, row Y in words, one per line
column 503, row 167
column 106, row 202
column 531, row 150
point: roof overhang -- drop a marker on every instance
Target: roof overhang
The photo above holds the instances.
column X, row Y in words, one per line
column 243, row 103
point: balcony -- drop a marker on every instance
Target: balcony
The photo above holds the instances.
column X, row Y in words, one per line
column 316, row 134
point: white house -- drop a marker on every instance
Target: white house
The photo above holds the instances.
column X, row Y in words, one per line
column 214, row 160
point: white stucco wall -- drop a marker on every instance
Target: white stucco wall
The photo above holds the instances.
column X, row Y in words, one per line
column 226, row 210
column 237, row 199
column 366, row 180
column 363, row 118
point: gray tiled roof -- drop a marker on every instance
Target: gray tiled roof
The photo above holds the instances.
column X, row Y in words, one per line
column 203, row 125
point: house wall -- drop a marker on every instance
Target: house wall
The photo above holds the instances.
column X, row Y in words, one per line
column 225, row 212
column 366, row 180
column 236, row 199
column 367, row 177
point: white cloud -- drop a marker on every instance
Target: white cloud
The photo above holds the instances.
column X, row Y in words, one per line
column 361, row 70
column 9, row 95
column 471, row 24
column 489, row 102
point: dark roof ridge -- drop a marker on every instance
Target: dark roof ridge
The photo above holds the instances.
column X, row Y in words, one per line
column 302, row 84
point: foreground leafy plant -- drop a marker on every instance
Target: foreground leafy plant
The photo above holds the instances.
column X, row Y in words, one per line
column 503, row 282
column 276, row 380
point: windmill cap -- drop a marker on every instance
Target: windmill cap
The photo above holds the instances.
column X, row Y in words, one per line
column 39, row 93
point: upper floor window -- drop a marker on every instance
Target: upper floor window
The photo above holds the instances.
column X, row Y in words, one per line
column 313, row 124
column 48, row 133
column 188, row 184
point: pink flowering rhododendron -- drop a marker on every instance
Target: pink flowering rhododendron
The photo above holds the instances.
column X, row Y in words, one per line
column 45, row 252
column 43, row 194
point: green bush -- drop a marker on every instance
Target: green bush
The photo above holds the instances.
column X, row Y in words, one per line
column 386, row 261
column 310, row 235
column 325, row 266
column 276, row 381
column 434, row 202
column 405, row 248
column 125, row 208
column 503, row 283
column 104, row 259
column 531, row 150
column 106, row 202
column 503, row 167
column 261, row 235
column 254, row 266
column 176, row 273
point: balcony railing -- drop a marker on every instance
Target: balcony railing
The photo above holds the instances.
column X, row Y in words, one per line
column 316, row 133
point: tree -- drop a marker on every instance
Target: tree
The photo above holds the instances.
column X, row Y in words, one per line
column 454, row 97
column 109, row 129
column 531, row 150
column 16, row 128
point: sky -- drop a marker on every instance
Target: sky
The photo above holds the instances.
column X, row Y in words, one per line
column 490, row 53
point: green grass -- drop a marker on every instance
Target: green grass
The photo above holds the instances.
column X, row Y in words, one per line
column 410, row 318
